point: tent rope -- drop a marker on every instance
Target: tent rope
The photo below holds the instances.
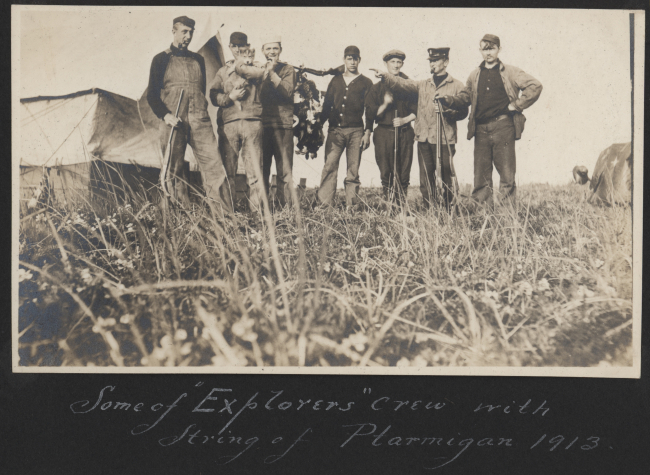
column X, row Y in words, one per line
column 42, row 113
column 47, row 139
column 34, row 117
column 72, row 131
column 144, row 127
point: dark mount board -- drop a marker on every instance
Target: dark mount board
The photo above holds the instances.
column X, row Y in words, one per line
column 43, row 435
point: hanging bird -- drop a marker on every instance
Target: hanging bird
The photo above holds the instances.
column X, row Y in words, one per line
column 307, row 108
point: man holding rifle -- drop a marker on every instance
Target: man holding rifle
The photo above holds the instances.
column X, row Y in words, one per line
column 177, row 83
column 493, row 90
column 426, row 132
column 393, row 137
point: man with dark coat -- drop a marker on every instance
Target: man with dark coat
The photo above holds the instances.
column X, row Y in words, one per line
column 498, row 93
column 174, row 70
column 392, row 111
column 426, row 129
column 343, row 107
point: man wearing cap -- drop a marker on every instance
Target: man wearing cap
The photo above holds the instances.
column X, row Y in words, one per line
column 390, row 112
column 277, row 119
column 498, row 93
column 174, row 70
column 237, row 40
column 241, row 113
column 343, row 106
column 426, row 132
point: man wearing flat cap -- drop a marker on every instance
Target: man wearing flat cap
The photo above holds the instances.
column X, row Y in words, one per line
column 237, row 94
column 173, row 70
column 237, row 40
column 277, row 119
column 343, row 107
column 426, row 132
column 238, row 44
column 498, row 93
column 392, row 111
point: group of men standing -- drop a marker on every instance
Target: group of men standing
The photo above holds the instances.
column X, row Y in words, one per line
column 497, row 94
column 255, row 120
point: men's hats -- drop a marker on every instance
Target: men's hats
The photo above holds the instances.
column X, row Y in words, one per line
column 492, row 39
column 437, row 53
column 238, row 38
column 185, row 21
column 394, row 53
column 352, row 51
column 272, row 39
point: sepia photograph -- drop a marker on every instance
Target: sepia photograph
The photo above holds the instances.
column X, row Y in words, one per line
column 405, row 191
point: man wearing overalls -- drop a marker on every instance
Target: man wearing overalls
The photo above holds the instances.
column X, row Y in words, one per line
column 174, row 70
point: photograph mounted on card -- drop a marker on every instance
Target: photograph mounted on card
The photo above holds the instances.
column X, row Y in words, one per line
column 180, row 205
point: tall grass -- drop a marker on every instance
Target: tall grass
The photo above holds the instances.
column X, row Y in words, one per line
column 119, row 281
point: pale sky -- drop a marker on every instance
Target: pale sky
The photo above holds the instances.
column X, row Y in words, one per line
column 581, row 57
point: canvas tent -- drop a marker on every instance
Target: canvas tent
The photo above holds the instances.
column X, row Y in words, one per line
column 611, row 181
column 86, row 139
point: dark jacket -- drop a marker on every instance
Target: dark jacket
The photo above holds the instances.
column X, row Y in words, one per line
column 515, row 81
column 157, row 76
column 405, row 104
column 344, row 105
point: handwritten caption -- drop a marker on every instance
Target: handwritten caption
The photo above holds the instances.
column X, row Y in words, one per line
column 222, row 401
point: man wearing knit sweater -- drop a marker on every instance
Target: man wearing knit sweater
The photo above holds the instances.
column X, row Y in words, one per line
column 344, row 107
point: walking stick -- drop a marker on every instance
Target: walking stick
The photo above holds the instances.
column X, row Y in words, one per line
column 168, row 152
column 395, row 190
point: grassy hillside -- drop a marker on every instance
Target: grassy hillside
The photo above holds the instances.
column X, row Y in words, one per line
column 548, row 283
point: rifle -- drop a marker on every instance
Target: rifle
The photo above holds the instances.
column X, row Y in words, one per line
column 395, row 189
column 440, row 122
column 439, row 184
column 168, row 152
